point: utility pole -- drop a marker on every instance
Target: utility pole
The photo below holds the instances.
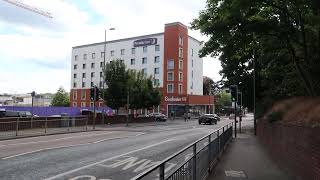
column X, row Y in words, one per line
column 240, row 116
column 234, row 96
column 33, row 94
column 94, row 107
column 128, row 98
column 254, row 90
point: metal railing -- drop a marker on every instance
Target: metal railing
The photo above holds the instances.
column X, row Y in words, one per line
column 200, row 156
column 19, row 126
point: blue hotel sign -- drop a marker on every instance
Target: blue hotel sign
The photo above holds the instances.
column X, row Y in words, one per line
column 145, row 42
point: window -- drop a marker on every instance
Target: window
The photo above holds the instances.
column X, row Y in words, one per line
column 180, row 89
column 92, row 74
column 101, row 64
column 83, row 104
column 145, row 49
column 180, row 53
column 83, row 75
column 91, row 104
column 170, row 64
column 180, row 76
column 100, row 84
column 74, row 85
column 157, row 47
column 170, row 88
column 76, row 57
column 74, row 104
column 84, row 56
column 83, row 84
column 91, row 84
column 132, row 61
column 156, row 59
column 112, row 53
column 133, row 50
column 93, row 55
column 121, row 61
column 100, row 104
column 122, row 51
column 144, row 60
column 180, row 40
column 101, row 74
column 192, row 63
column 75, row 66
column 75, row 94
column 191, row 74
column 156, row 70
column 83, row 94
column 191, row 85
column 92, row 65
column 74, row 75
column 156, row 82
column 180, row 64
column 83, row 66
column 144, row 71
column 170, row 76
column 102, row 54
column 191, row 52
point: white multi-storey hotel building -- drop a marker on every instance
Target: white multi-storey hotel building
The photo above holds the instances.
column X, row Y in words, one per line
column 171, row 57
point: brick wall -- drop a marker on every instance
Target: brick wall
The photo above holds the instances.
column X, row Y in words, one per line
column 295, row 148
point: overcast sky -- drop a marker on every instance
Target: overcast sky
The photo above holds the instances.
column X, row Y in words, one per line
column 35, row 51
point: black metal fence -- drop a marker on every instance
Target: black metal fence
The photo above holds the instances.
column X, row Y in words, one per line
column 199, row 158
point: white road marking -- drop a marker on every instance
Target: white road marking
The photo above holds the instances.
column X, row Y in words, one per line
column 53, row 140
column 108, row 159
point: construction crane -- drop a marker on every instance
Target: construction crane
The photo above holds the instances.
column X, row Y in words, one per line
column 29, row 8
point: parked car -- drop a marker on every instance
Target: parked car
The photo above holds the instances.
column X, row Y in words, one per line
column 25, row 114
column 217, row 117
column 158, row 116
column 208, row 119
column 2, row 113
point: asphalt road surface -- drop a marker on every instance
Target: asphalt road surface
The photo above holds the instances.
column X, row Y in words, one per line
column 115, row 152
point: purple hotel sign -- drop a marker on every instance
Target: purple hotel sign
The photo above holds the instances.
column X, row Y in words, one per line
column 145, row 42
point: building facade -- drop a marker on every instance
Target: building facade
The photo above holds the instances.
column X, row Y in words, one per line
column 170, row 57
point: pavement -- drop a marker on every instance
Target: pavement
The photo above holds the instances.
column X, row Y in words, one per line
column 245, row 158
column 113, row 152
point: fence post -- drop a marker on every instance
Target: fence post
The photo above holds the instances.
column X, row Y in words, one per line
column 86, row 124
column 209, row 154
column 17, row 126
column 45, row 125
column 218, row 137
column 161, row 173
column 194, row 167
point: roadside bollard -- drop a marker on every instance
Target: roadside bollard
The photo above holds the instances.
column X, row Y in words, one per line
column 17, row 126
column 194, row 167
column 45, row 125
column 161, row 172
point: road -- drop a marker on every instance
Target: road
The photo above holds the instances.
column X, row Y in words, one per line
column 115, row 152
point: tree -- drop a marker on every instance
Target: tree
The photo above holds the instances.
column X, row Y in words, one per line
column 281, row 37
column 209, row 86
column 61, row 98
column 223, row 99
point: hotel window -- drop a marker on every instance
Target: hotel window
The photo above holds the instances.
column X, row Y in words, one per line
column 100, row 84
column 112, row 53
column 191, row 85
column 144, row 71
column 101, row 64
column 91, row 104
column 133, row 50
column 144, row 60
column 170, row 64
column 132, row 61
column 74, row 75
column 156, row 70
column 83, row 94
column 74, row 84
column 92, row 74
column 75, row 94
column 191, row 52
column 191, row 74
column 170, row 76
column 85, row 56
column 157, row 47
column 92, row 65
column 180, row 76
column 170, row 88
column 76, row 57
column 100, row 74
column 180, row 40
column 100, row 104
column 83, row 66
column 180, row 89
column 75, row 66
column 156, row 59
column 93, row 55
column 83, row 104
column 122, row 51
column 74, row 104
column 145, row 49
column 102, row 54
column 83, row 84
column 91, row 84
column 180, row 53
column 83, row 75
column 192, row 63
column 156, row 82
column 180, row 64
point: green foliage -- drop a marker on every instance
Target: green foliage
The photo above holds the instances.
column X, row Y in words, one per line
column 275, row 116
column 223, row 100
column 281, row 37
column 61, row 98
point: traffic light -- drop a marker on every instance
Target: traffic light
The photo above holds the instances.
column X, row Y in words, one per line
column 234, row 93
column 33, row 93
column 92, row 89
column 98, row 93
column 239, row 98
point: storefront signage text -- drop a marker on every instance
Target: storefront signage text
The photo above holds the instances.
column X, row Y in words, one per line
column 175, row 99
column 145, row 42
